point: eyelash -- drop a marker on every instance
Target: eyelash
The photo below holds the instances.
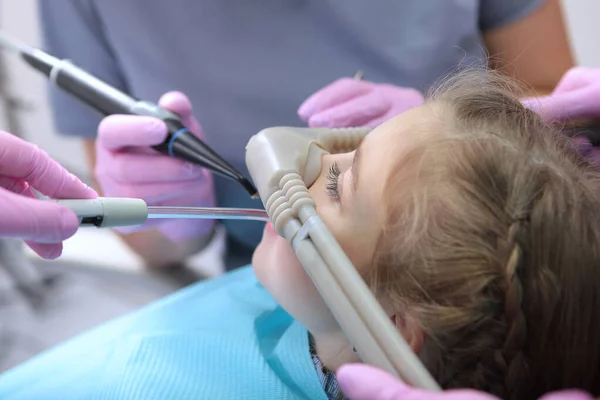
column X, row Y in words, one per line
column 332, row 182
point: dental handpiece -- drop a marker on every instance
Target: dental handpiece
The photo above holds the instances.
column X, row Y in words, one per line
column 180, row 142
column 111, row 212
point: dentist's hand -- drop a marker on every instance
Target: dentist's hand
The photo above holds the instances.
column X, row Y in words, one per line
column 350, row 102
column 43, row 225
column 363, row 382
column 127, row 167
column 576, row 96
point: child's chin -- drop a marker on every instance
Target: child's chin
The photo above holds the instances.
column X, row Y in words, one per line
column 261, row 259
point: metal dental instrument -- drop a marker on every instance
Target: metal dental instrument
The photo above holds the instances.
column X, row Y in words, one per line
column 110, row 212
column 283, row 163
column 207, row 213
column 180, row 142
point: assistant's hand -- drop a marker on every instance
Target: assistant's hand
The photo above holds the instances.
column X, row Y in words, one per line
column 363, row 382
column 577, row 96
column 43, row 225
column 349, row 102
column 126, row 166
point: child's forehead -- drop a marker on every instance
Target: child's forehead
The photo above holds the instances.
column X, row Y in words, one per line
column 410, row 127
column 381, row 152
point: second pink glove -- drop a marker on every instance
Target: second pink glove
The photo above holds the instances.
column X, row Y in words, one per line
column 349, row 102
column 126, row 166
column 576, row 96
column 363, row 382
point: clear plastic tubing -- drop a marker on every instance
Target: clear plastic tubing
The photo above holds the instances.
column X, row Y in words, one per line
column 159, row 212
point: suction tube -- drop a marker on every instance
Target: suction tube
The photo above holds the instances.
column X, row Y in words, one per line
column 180, row 142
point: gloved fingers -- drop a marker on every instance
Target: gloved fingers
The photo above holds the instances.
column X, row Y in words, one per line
column 49, row 251
column 137, row 168
column 576, row 78
column 65, row 186
column 410, row 98
column 15, row 185
column 576, row 104
column 35, row 220
column 355, row 112
column 178, row 103
column 335, row 93
column 28, row 162
column 363, row 382
column 117, row 132
column 567, row 395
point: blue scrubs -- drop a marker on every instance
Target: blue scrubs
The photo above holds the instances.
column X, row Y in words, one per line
column 247, row 65
column 221, row 339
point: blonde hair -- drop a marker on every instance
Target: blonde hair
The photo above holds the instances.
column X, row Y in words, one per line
column 495, row 248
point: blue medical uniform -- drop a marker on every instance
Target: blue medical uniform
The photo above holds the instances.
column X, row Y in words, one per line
column 221, row 339
column 247, row 65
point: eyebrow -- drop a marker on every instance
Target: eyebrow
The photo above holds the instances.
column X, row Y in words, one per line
column 355, row 162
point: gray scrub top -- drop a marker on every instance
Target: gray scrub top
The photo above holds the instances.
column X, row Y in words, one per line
column 249, row 64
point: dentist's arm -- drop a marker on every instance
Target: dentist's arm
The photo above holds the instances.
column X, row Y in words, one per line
column 530, row 46
column 362, row 382
column 43, row 225
column 534, row 49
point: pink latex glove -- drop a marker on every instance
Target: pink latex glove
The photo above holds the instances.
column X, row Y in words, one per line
column 127, row 166
column 576, row 96
column 350, row 102
column 43, row 225
column 363, row 382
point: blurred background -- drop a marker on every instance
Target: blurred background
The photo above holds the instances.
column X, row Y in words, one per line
column 98, row 278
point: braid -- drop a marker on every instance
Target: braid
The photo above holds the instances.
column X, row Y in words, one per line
column 510, row 358
column 506, row 303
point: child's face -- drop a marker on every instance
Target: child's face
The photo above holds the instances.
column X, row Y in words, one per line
column 354, row 216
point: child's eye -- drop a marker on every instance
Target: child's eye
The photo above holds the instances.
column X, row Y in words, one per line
column 332, row 187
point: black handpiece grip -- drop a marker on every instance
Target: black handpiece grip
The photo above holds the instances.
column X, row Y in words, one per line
column 175, row 128
column 181, row 143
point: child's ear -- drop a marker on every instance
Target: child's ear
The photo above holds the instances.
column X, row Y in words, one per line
column 410, row 330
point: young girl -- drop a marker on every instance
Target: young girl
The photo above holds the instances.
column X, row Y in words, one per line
column 474, row 223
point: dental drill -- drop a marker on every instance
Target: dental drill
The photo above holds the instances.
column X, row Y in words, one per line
column 180, row 142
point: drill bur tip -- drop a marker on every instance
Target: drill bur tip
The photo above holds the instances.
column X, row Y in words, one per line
column 249, row 188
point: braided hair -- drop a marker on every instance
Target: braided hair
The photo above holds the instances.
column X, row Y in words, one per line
column 491, row 244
